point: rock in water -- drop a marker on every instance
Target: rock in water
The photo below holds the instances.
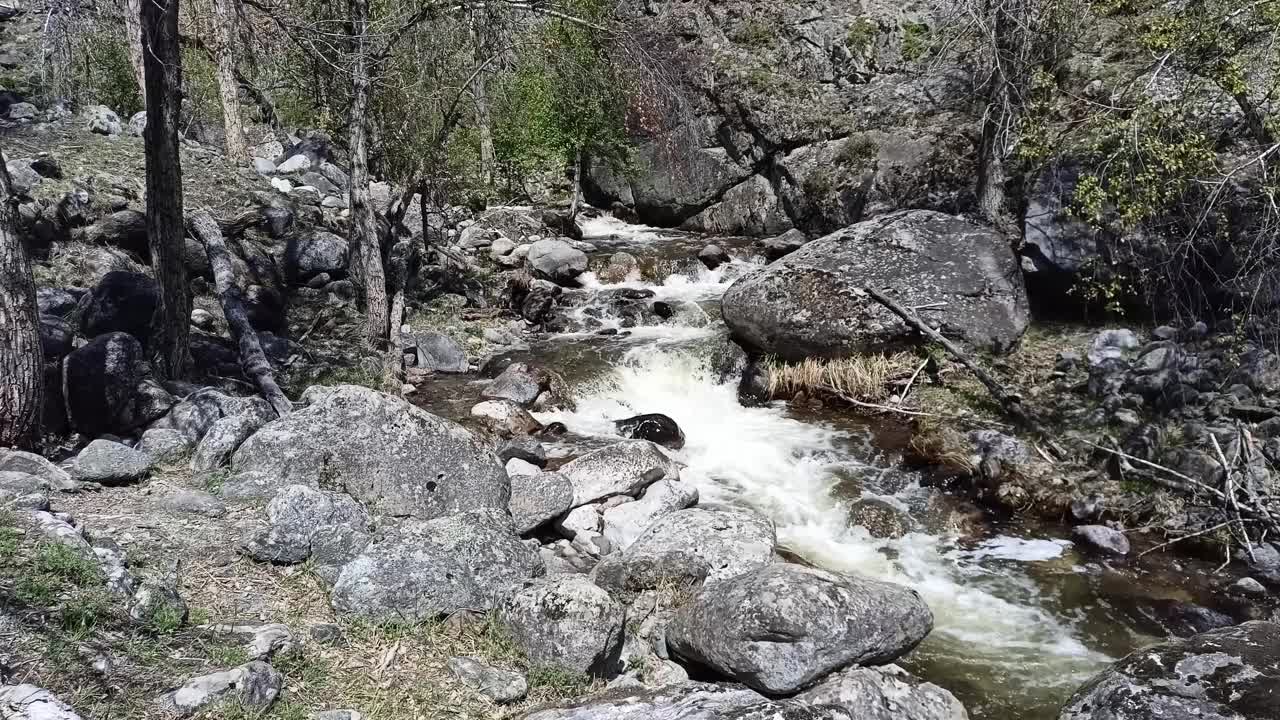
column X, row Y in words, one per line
column 885, row 693
column 557, row 261
column 778, row 247
column 731, row 541
column 779, row 628
column 395, row 458
column 28, row 702
column 566, row 621
column 1102, row 539
column 811, row 303
column 437, row 352
column 1228, row 673
column 624, row 468
column 713, row 256
column 519, row 384
column 654, row 427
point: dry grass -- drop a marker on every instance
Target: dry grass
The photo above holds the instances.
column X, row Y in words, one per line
column 867, row 378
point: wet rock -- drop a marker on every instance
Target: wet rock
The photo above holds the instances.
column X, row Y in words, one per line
column 621, row 266
column 713, row 256
column 1102, row 539
column 538, row 499
column 654, row 427
column 110, row 463
column 121, row 302
column 308, row 255
column 426, row 569
column 223, row 438
column 253, row 686
column 500, row 686
column 1264, row 562
column 557, row 261
column 812, row 302
column 623, row 468
column 732, row 541
column 304, row 524
column 28, row 702
column 568, row 622
column 884, row 693
column 436, row 352
column 518, row 383
column 505, row 418
column 1227, row 673
column 395, row 458
column 626, row 522
column 775, row 248
column 881, row 518
column 525, row 449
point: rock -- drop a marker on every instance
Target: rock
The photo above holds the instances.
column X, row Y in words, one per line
column 881, row 518
column 505, row 418
column 101, row 120
column 308, row 255
column 253, row 686
column 426, row 569
column 884, row 693
column 568, row 622
column 47, row 166
column 1111, row 345
column 518, row 383
column 23, row 179
column 779, row 628
column 516, row 466
column 56, row 337
column 538, row 499
column 732, row 541
column 28, row 702
column 56, row 301
column 621, row 266
column 624, row 523
column 23, row 111
column 654, row 427
column 1102, row 539
column 525, row 449
column 263, row 166
column 687, row 701
column 22, row 491
column 624, row 468
column 778, row 247
column 124, row 229
column 193, row 502
column 138, row 123
column 626, row 575
column 121, row 302
column 500, row 686
column 156, row 602
column 1264, row 562
column 1057, row 241
column 713, row 256
column 812, row 303
column 20, row 461
column 395, row 458
column 1227, row 673
column 294, row 164
column 303, row 523
column 436, row 352
column 222, row 440
column 557, row 261
column 268, row 641
column 110, row 463
column 501, row 247
column 1249, row 586
column 194, row 415
column 584, row 519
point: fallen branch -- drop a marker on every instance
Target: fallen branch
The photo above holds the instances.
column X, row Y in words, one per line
column 253, row 360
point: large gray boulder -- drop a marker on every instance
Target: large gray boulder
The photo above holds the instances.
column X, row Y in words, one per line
column 110, row 463
column 688, row 701
column 107, row 388
column 395, row 458
column 780, row 628
column 731, row 541
column 436, row 352
column 538, row 499
column 622, row 524
column 557, row 261
column 1057, row 241
column 121, row 302
column 308, row 255
column 303, row 524
column 566, row 621
column 812, row 303
column 427, row 569
column 222, row 440
column 884, row 693
column 1231, row 673
column 102, row 120
column 623, row 468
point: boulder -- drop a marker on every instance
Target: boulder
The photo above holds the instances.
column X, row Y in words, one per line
column 654, row 427
column 110, row 463
column 56, row 337
column 557, row 261
column 525, row 449
column 713, row 256
column 102, row 120
column 731, row 541
column 500, row 686
column 106, row 389
column 138, row 123
column 1101, row 539
column 28, row 702
column 397, row 459
column 812, row 302
column 121, row 302
column 23, row 179
column 505, row 418
column 20, row 461
column 687, row 701
column 58, row 302
column 1232, row 672
column 624, row 468
column 303, row 523
column 1057, row 241
column 566, row 621
column 775, row 248
column 519, row 383
column 223, row 438
column 624, row 523
column 254, row 687
column 884, row 693
column 294, row 164
column 436, row 352
column 538, row 499
column 881, row 518
column 780, row 628
column 307, row 255
column 123, row 229
column 194, row 415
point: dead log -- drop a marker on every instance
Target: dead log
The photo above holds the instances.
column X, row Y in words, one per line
column 253, row 361
column 1010, row 402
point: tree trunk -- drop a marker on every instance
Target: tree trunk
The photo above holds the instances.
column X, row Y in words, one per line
column 480, row 94
column 398, row 267
column 228, row 86
column 21, row 359
column 364, row 234
column 997, row 119
column 162, row 60
column 252, row 360
column 577, row 185
column 133, row 28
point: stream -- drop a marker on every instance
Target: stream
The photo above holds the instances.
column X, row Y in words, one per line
column 1021, row 618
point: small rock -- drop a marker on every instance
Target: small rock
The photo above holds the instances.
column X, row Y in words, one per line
column 263, row 166
column 110, row 463
column 156, row 602
column 516, row 466
column 255, row 686
column 102, row 120
column 194, row 502
column 654, row 427
column 1249, row 586
column 1103, row 539
column 539, row 498
column 566, row 621
column 501, row 686
column 296, row 164
column 713, row 256
column 524, row 447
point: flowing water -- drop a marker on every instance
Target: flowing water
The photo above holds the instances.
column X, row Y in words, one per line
column 1020, row 618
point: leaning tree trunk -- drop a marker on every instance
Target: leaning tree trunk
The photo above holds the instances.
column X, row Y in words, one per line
column 162, row 60
column 133, row 28
column 228, row 85
column 21, row 359
column 364, row 233
column 253, row 360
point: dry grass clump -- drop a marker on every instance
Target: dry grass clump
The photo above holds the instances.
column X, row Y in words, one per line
column 867, row 378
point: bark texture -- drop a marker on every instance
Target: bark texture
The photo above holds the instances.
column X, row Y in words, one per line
column 21, row 361
column 162, row 62
column 133, row 28
column 364, row 233
column 228, row 84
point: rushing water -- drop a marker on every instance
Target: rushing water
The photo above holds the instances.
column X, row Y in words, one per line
column 1018, row 621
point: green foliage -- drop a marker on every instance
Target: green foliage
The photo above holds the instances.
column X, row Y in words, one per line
column 167, row 619
column 551, row 681
column 862, row 35
column 103, row 72
column 857, row 152
column 916, row 40
column 200, row 89
column 84, row 610
column 755, row 33
column 66, row 564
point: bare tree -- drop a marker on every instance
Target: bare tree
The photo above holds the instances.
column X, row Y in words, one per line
column 133, row 29
column 364, row 232
column 165, row 227
column 21, row 361
column 226, row 16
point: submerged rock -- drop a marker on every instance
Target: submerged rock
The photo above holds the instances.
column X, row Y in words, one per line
column 654, row 427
